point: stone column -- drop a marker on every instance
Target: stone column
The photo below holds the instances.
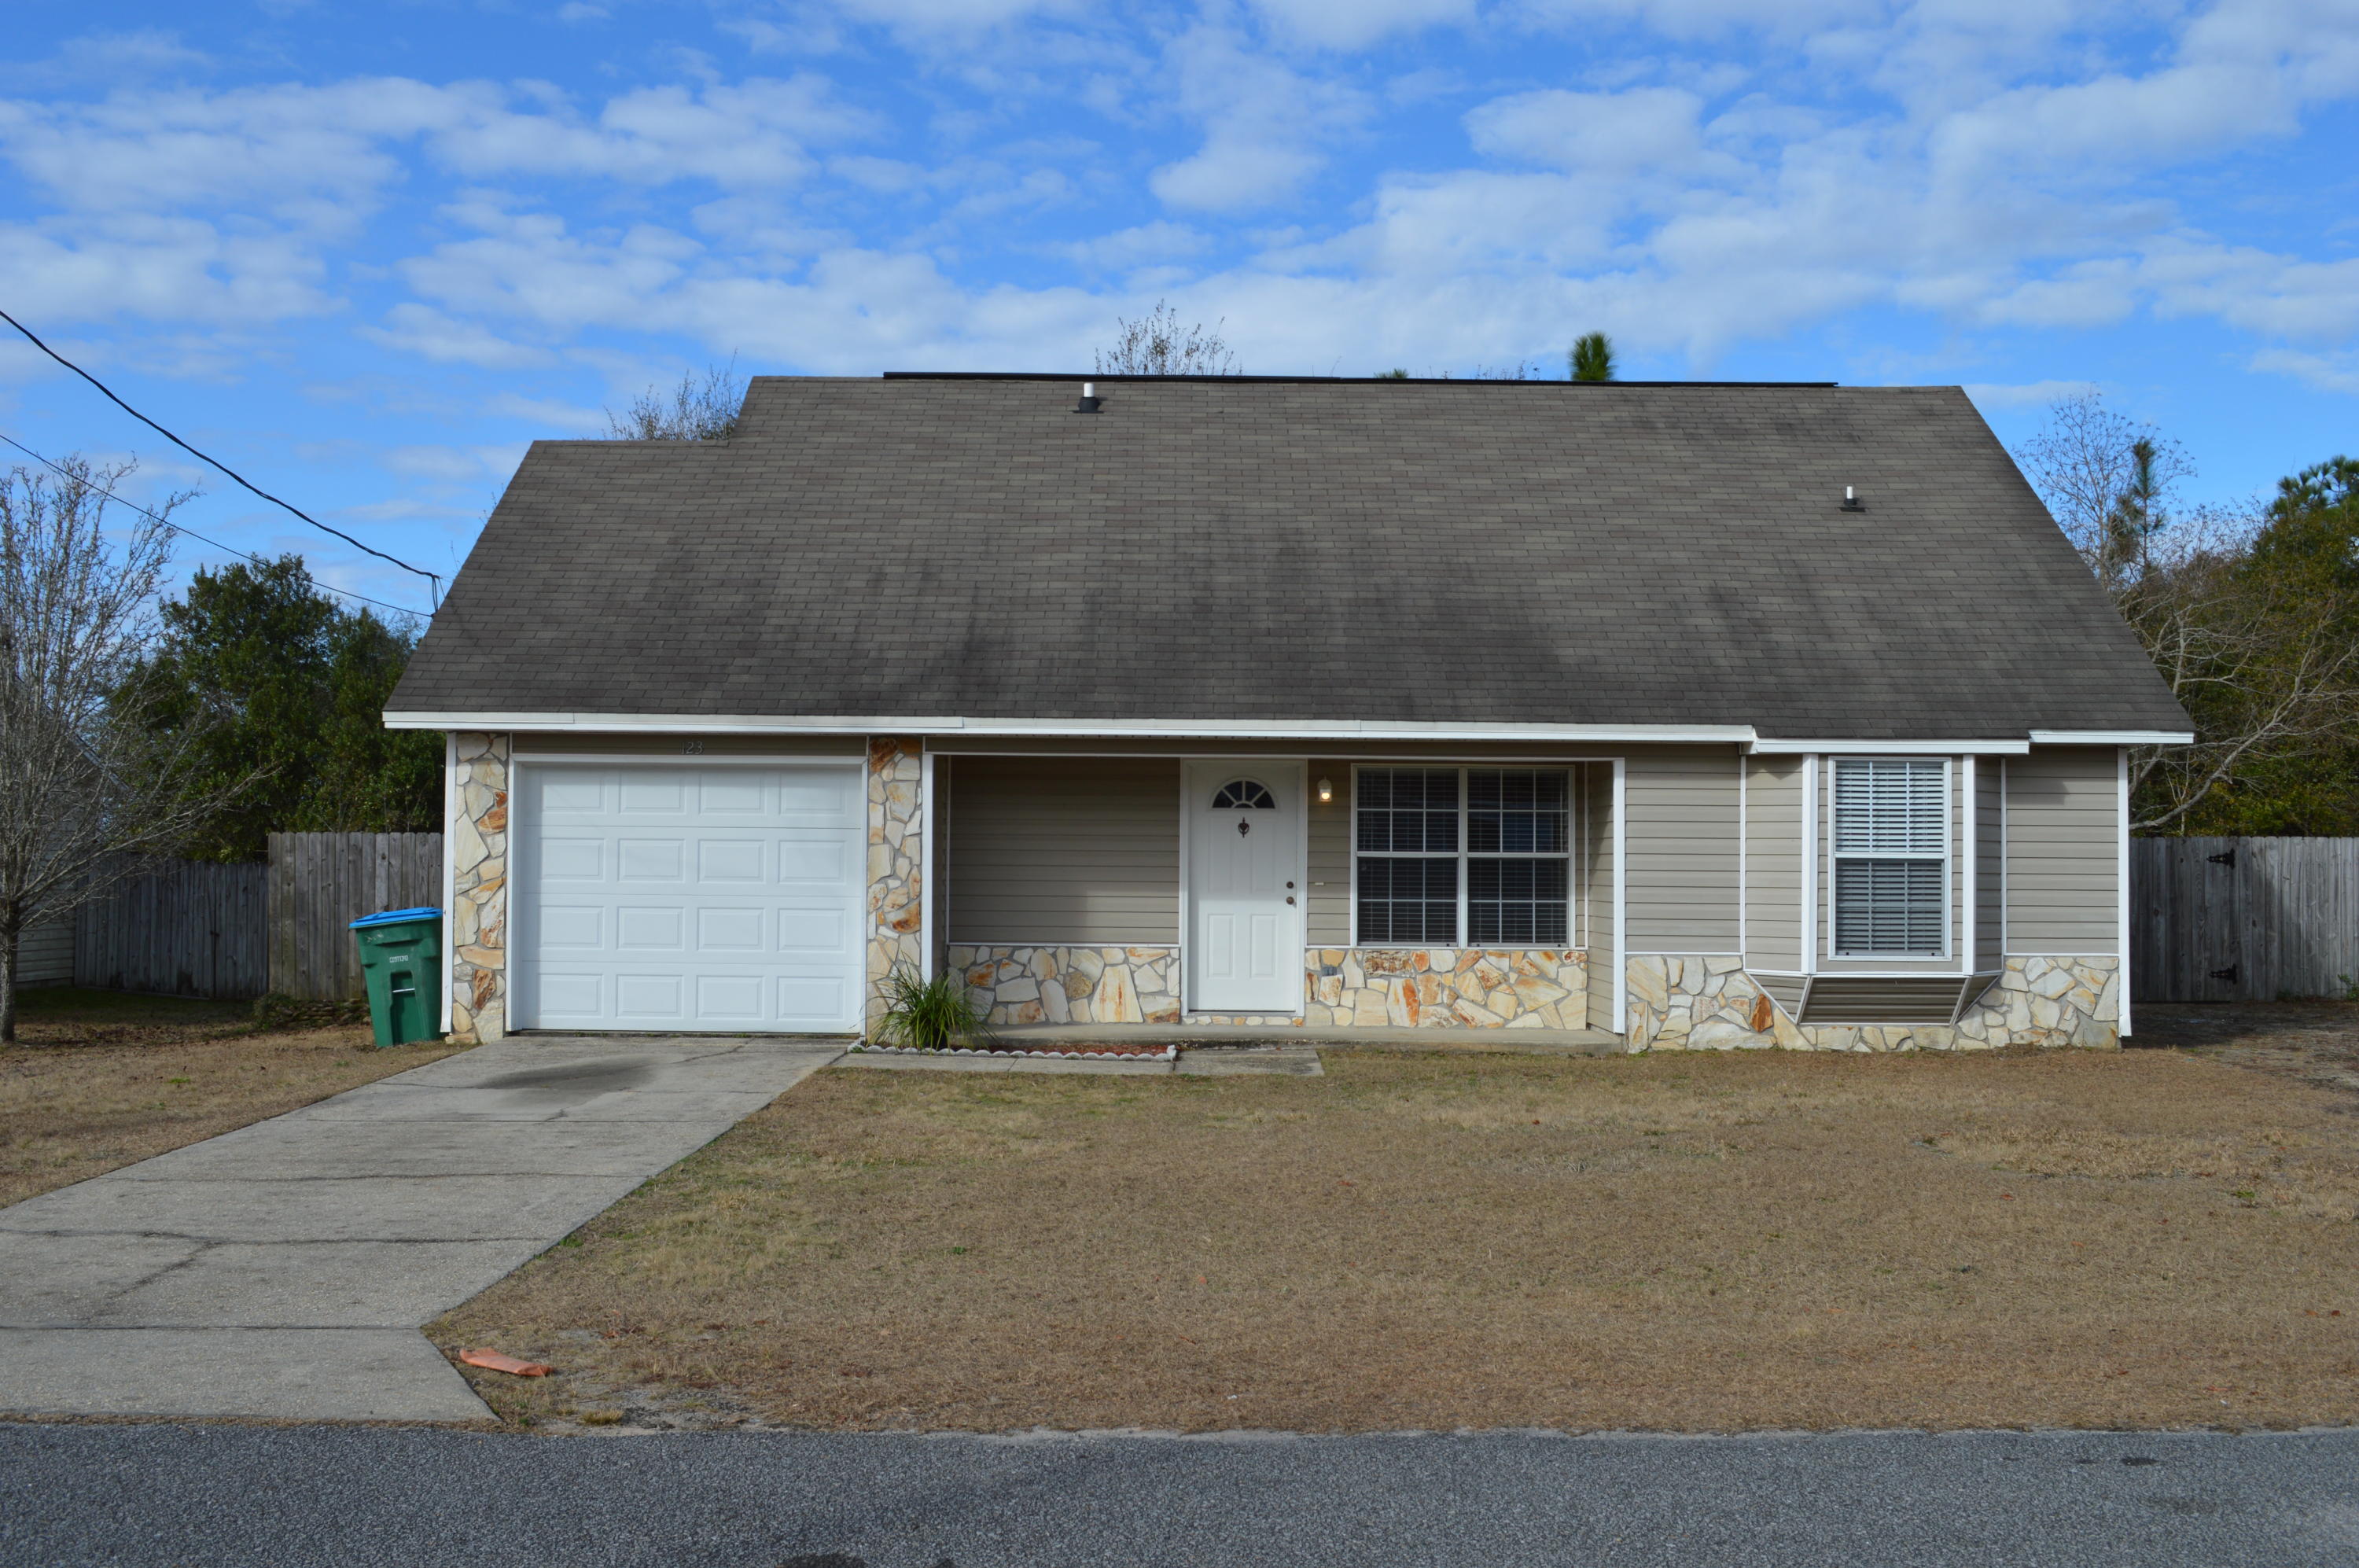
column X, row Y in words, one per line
column 479, row 898
column 897, row 893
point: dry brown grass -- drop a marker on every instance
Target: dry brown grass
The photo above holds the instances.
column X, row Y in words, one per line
column 1705, row 1242
column 98, row 1081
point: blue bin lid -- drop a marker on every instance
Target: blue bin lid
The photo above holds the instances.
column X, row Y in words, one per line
column 394, row 917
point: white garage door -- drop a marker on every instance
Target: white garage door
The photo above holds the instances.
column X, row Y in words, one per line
column 713, row 898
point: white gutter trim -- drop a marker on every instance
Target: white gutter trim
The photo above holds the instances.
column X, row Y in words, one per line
column 1274, row 729
column 1890, row 747
column 2113, row 738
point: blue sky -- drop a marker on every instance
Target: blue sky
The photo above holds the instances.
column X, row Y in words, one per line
column 364, row 253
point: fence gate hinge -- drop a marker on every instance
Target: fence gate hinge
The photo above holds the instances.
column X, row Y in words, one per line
column 2226, row 857
column 2229, row 975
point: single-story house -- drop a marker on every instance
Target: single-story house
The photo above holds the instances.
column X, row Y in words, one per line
column 1700, row 714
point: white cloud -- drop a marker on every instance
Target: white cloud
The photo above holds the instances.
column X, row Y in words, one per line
column 455, row 464
column 1645, row 128
column 320, row 157
column 2026, row 394
column 1146, row 244
column 1355, row 23
column 920, row 17
column 162, row 268
column 113, row 58
column 2326, row 372
column 562, row 418
column 1266, row 125
column 421, row 329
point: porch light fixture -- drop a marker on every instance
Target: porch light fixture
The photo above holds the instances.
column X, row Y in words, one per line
column 1326, row 792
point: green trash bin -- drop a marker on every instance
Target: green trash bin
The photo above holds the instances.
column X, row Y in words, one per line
column 401, row 955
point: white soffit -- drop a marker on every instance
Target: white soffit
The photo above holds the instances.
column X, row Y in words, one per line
column 2113, row 738
column 1892, row 747
column 1357, row 729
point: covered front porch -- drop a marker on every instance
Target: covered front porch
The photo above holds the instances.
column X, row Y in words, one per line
column 1350, row 896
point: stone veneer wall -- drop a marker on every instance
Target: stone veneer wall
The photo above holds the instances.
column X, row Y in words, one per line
column 897, row 893
column 1380, row 988
column 479, row 901
column 1710, row 1003
column 1349, row 988
column 1020, row 986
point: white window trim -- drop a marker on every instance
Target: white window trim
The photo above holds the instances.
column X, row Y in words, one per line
column 1575, row 936
column 1949, row 857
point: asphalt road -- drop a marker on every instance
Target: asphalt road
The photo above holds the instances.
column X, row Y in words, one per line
column 419, row 1497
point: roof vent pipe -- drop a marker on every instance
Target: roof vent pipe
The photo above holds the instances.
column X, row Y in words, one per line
column 1851, row 502
column 1090, row 399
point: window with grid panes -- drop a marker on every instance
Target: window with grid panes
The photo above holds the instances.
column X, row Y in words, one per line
column 1463, row 857
column 1891, row 854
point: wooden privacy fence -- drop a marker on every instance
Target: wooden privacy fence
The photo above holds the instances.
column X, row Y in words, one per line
column 189, row 927
column 193, row 928
column 321, row 883
column 2236, row 920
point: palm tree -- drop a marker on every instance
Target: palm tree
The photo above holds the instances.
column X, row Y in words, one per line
column 1592, row 357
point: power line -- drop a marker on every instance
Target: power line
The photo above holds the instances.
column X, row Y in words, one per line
column 181, row 528
column 225, row 468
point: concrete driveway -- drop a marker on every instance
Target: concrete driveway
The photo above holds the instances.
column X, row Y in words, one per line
column 283, row 1269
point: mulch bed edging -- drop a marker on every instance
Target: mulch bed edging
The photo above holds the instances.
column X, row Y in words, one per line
column 1114, row 1053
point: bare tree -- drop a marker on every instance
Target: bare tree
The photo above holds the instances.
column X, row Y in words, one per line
column 699, row 410
column 2265, row 671
column 87, row 783
column 1157, row 344
column 2107, row 481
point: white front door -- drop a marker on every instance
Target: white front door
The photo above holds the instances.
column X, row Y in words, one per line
column 665, row 896
column 1244, row 858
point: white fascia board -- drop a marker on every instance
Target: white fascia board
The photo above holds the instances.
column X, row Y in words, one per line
column 2113, row 738
column 1347, row 729
column 1891, row 747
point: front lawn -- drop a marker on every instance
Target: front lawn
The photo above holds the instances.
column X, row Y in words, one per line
column 1679, row 1242
column 99, row 1078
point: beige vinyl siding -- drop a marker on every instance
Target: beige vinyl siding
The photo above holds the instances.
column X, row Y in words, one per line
column 1327, row 907
column 558, row 743
column 45, row 953
column 1080, row 850
column 1786, row 990
column 1605, row 939
column 1990, row 864
column 1773, row 862
column 1682, row 840
column 2062, row 851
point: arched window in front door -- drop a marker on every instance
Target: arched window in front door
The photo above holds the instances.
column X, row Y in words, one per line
column 1242, row 794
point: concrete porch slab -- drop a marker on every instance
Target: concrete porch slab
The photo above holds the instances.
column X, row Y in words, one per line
column 1556, row 1043
column 1112, row 1066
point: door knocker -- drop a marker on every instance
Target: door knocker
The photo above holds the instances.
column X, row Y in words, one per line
column 1244, row 827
